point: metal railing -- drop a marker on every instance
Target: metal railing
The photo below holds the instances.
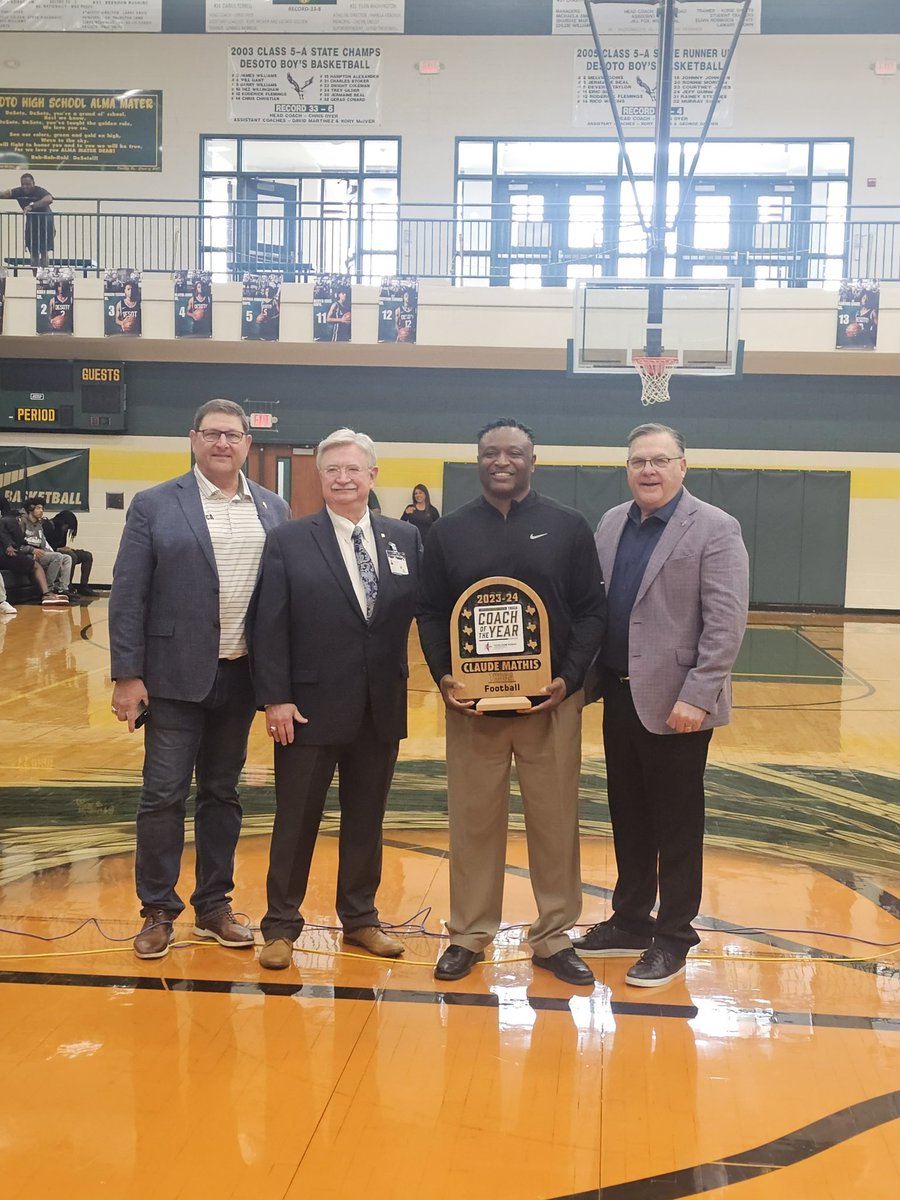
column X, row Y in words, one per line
column 465, row 245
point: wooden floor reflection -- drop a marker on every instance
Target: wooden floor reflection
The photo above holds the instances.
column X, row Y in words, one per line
column 769, row 1071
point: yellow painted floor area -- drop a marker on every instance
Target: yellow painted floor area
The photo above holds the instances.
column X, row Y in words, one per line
column 770, row 1070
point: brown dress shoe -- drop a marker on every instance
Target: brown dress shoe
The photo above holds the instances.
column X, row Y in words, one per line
column 226, row 929
column 277, row 954
column 156, row 936
column 375, row 940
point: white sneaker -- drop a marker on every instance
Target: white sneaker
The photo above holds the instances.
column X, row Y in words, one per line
column 7, row 609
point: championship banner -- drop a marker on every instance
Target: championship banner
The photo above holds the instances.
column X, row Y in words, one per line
column 193, row 304
column 61, row 476
column 398, row 311
column 122, row 303
column 304, row 84
column 82, row 16
column 261, row 308
column 301, row 16
column 500, row 644
column 66, row 130
column 857, row 323
column 632, row 69
column 55, row 300
column 332, row 302
column 616, row 20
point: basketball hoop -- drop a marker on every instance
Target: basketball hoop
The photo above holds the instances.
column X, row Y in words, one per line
column 655, row 374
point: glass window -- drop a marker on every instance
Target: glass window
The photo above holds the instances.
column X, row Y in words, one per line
column 831, row 158
column 525, row 275
column 475, row 158
column 585, row 221
column 473, row 269
column 283, row 478
column 557, row 158
column 381, row 156
column 220, row 154
column 299, row 156
column 751, row 158
column 712, row 222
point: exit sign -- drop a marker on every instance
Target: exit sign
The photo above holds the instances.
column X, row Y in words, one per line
column 261, row 420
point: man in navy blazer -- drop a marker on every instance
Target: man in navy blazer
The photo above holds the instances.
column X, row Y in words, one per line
column 185, row 572
column 677, row 592
column 336, row 599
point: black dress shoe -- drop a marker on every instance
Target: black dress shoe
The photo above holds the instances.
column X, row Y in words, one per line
column 456, row 962
column 567, row 966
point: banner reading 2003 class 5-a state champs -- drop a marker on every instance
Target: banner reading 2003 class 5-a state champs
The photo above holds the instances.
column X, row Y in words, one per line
column 324, row 81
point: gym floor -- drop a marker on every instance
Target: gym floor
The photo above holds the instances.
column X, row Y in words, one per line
column 773, row 1063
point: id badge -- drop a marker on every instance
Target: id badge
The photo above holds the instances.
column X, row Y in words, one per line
column 397, row 560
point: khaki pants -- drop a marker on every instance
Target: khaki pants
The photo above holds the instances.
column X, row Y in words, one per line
column 547, row 752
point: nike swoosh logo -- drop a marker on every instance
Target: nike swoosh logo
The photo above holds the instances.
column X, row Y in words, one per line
column 534, row 536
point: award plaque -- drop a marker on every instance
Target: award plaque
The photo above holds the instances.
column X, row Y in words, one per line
column 500, row 644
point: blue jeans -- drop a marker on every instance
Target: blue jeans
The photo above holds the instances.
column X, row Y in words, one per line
column 181, row 738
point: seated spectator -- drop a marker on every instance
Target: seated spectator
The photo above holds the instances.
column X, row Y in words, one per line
column 57, row 567
column 61, row 532
column 20, row 558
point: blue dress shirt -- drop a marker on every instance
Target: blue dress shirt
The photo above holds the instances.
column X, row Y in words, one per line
column 636, row 545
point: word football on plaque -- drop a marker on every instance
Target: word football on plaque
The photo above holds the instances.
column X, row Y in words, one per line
column 500, row 644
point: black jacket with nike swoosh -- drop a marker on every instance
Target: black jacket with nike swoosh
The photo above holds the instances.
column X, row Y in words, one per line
column 547, row 546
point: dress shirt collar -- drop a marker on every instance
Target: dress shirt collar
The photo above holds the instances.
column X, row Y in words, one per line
column 344, row 527
column 208, row 490
column 663, row 514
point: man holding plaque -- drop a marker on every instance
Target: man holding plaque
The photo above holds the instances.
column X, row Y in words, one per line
column 678, row 587
column 485, row 568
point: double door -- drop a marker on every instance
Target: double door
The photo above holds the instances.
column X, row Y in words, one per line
column 290, row 472
column 548, row 232
column 757, row 230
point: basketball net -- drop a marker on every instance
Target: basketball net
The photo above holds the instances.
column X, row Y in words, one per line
column 655, row 374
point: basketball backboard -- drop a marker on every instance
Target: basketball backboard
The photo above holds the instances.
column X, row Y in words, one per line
column 618, row 319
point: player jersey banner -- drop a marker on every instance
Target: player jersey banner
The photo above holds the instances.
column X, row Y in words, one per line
column 857, row 322
column 616, row 20
column 398, row 310
column 300, row 16
column 332, row 303
column 261, row 308
column 122, row 302
column 632, row 68
column 82, row 16
column 304, row 83
column 55, row 300
column 193, row 304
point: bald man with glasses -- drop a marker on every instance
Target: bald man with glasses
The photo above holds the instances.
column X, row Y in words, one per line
column 677, row 592
column 186, row 570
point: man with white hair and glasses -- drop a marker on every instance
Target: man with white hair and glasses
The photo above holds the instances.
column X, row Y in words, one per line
column 336, row 600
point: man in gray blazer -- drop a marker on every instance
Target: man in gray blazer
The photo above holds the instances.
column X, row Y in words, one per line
column 677, row 593
column 186, row 569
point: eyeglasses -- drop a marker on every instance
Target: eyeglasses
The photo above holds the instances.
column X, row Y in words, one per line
column 231, row 436
column 352, row 471
column 659, row 463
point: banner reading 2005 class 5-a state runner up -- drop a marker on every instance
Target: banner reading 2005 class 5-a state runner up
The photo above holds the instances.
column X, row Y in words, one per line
column 321, row 82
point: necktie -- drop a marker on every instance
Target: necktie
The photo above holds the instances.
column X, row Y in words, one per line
column 366, row 571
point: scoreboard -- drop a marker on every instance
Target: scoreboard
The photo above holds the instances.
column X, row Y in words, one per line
column 60, row 395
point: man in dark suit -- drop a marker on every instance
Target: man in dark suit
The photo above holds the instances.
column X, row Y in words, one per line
column 677, row 593
column 336, row 599
column 186, row 569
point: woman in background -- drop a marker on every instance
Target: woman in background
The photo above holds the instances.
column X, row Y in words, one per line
column 421, row 512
